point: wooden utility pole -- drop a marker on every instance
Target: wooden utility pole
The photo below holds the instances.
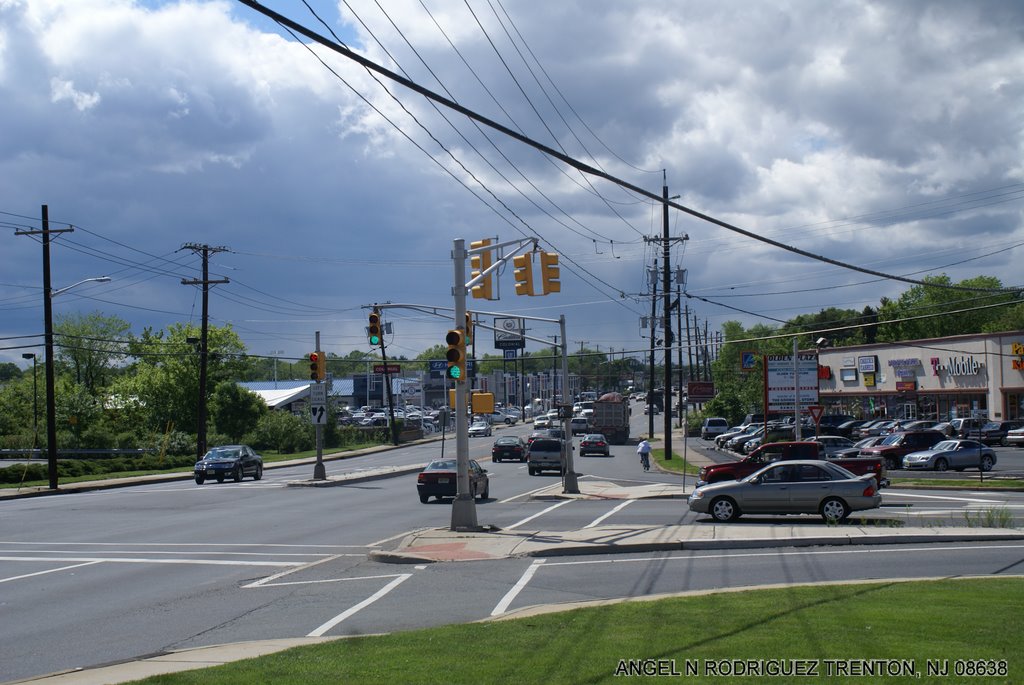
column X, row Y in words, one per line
column 205, row 251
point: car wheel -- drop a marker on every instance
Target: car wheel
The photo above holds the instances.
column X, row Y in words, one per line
column 496, row 460
column 533, row 471
column 259, row 472
column 486, row 493
column 1004, row 442
column 941, row 465
column 834, row 509
column 986, row 462
column 424, row 499
column 200, row 480
column 239, row 474
column 724, row 509
column 892, row 464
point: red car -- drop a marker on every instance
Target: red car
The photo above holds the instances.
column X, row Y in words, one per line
column 440, row 477
column 508, row 447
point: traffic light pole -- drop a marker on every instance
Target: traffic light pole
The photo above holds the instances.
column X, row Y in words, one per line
column 463, row 508
column 319, row 470
column 569, row 482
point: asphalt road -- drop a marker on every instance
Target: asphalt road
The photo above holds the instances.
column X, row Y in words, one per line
column 102, row 576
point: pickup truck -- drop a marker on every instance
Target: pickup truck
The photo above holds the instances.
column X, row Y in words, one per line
column 780, row 451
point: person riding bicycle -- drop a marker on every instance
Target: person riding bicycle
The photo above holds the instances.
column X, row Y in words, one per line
column 644, row 450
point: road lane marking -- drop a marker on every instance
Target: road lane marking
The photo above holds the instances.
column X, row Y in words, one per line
column 527, row 494
column 395, row 537
column 52, row 570
column 955, row 499
column 598, row 520
column 325, row 580
column 739, row 555
column 133, row 560
column 154, row 553
column 296, row 569
column 175, row 544
column 503, row 605
column 539, row 513
column 319, row 632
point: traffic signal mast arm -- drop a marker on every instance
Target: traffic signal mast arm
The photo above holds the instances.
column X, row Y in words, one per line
column 482, row 276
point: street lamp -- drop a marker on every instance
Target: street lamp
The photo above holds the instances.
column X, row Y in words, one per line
column 274, row 353
column 35, row 401
column 51, row 400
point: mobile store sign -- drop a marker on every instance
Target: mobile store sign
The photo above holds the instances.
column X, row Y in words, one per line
column 780, row 388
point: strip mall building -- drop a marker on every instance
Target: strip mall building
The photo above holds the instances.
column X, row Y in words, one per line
column 941, row 379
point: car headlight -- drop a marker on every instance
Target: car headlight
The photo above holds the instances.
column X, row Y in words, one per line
column 697, row 494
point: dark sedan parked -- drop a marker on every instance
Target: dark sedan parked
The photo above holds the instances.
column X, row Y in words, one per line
column 508, row 447
column 440, row 478
column 236, row 461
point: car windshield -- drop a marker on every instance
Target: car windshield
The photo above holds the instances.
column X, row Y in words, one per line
column 892, row 439
column 221, row 453
column 991, row 426
column 443, row 465
column 945, row 445
column 507, row 441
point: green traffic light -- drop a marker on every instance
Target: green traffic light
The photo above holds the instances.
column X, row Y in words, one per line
column 375, row 340
column 454, row 372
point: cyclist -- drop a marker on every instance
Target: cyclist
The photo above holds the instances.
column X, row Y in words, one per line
column 644, row 450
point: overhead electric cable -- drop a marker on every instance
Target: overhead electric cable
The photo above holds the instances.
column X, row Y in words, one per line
column 369, row 64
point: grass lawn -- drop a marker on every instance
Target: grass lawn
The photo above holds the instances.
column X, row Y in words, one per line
column 675, row 464
column 988, row 484
column 963, row 625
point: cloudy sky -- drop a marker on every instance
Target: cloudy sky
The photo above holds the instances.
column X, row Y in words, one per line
column 886, row 135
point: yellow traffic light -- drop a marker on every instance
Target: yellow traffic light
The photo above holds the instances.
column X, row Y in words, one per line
column 456, row 355
column 483, row 290
column 549, row 273
column 469, row 328
column 523, row 273
column 373, row 329
column 317, row 366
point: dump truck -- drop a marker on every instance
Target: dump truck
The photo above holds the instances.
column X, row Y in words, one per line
column 611, row 418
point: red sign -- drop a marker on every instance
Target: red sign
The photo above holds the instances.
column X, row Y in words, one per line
column 386, row 368
column 699, row 391
column 815, row 411
column 906, row 386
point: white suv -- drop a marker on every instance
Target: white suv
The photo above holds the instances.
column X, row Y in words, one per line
column 713, row 426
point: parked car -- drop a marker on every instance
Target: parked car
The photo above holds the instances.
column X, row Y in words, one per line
column 786, row 451
column 594, row 443
column 545, row 454
column 896, row 446
column 480, row 429
column 1014, row 437
column 731, row 433
column 967, row 427
column 952, row 454
column 236, row 461
column 858, row 446
column 712, row 426
column 994, row 432
column 508, row 447
column 440, row 479
column 832, row 444
column 830, row 423
column 789, row 487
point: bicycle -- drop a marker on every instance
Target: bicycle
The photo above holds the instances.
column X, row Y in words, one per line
column 645, row 460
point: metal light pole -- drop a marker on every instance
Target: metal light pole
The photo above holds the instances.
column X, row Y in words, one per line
column 51, row 399
column 275, row 353
column 35, row 401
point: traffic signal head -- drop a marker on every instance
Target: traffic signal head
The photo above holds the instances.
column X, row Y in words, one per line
column 317, row 366
column 456, row 355
column 481, row 262
column 373, row 329
column 469, row 328
column 523, row 273
column 549, row 273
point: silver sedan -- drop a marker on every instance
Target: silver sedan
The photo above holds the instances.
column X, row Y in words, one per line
column 789, row 487
column 952, row 454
